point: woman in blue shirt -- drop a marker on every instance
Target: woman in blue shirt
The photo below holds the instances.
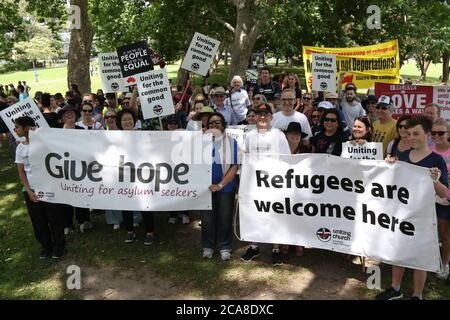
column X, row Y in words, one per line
column 217, row 224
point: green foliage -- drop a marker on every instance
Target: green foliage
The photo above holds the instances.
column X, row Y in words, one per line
column 38, row 48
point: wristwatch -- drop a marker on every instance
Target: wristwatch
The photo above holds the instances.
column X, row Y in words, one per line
column 220, row 185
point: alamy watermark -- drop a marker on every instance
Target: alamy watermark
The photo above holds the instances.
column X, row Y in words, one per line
column 374, row 280
column 374, row 20
column 74, row 279
column 74, row 17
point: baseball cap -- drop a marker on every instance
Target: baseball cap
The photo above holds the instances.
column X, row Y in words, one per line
column 325, row 105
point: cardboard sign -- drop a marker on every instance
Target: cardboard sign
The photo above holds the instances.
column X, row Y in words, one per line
column 324, row 72
column 200, row 54
column 155, row 94
column 110, row 73
column 134, row 58
column 23, row 108
column 408, row 99
column 369, row 151
column 441, row 96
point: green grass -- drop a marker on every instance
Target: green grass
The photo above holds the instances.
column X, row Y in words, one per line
column 55, row 79
column 175, row 257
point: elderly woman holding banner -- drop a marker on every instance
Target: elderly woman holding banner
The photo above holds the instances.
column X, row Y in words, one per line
column 217, row 224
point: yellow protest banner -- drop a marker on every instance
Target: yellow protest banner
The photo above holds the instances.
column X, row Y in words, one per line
column 361, row 65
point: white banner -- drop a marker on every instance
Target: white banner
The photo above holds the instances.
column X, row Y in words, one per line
column 122, row 170
column 200, row 54
column 368, row 150
column 155, row 93
column 367, row 208
column 110, row 73
column 23, row 108
column 324, row 72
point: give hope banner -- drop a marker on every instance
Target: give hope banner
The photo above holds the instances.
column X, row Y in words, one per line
column 367, row 208
column 122, row 170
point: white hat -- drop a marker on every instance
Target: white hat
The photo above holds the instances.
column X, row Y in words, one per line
column 325, row 105
column 385, row 100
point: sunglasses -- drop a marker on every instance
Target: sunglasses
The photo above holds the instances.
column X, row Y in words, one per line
column 439, row 133
column 306, row 98
column 87, row 101
column 110, row 117
column 329, row 119
column 316, row 117
column 215, row 122
column 85, row 110
column 401, row 126
column 382, row 108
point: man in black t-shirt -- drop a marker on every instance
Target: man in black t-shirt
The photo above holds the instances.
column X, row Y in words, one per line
column 266, row 86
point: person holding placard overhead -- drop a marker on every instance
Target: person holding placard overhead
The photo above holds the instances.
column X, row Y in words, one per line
column 419, row 129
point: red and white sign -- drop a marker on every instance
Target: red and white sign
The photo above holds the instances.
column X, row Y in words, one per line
column 410, row 99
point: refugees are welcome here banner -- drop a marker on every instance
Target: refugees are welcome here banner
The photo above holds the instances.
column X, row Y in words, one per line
column 361, row 207
column 122, row 170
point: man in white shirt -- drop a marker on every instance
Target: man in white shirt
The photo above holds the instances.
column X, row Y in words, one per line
column 265, row 139
column 288, row 114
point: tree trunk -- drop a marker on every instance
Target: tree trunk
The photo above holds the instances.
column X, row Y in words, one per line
column 80, row 50
column 246, row 32
column 225, row 61
column 423, row 70
column 290, row 62
column 276, row 62
column 445, row 66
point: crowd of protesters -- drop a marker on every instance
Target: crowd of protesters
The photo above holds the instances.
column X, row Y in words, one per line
column 287, row 120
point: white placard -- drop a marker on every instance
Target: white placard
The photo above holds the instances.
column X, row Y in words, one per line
column 200, row 54
column 26, row 107
column 368, row 150
column 155, row 93
column 122, row 170
column 441, row 96
column 110, row 74
column 360, row 207
column 324, row 72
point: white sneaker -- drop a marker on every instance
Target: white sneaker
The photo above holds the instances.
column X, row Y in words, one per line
column 116, row 227
column 208, row 253
column 67, row 231
column 185, row 219
column 443, row 273
column 225, row 255
column 172, row 220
